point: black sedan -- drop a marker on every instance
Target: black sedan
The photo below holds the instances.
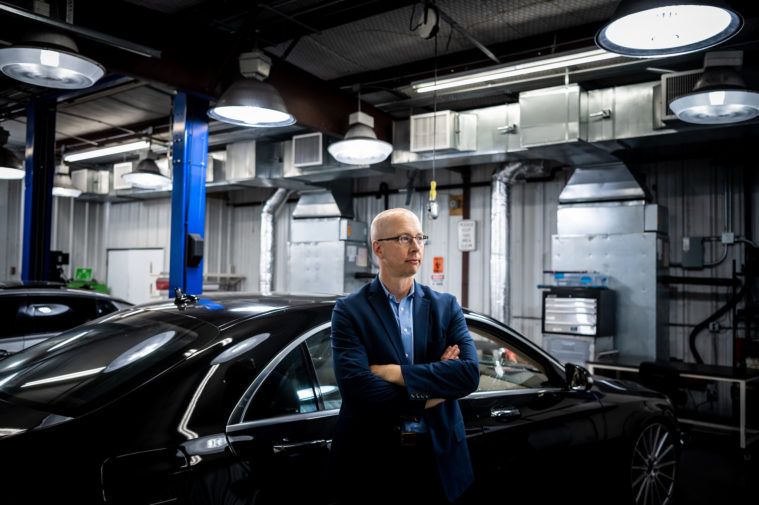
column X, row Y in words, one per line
column 232, row 399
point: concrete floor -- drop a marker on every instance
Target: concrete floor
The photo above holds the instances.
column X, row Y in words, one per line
column 714, row 470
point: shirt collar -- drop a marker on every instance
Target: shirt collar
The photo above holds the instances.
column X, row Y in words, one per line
column 390, row 296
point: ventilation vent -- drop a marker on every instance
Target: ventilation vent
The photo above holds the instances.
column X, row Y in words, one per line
column 674, row 85
column 443, row 131
column 307, row 150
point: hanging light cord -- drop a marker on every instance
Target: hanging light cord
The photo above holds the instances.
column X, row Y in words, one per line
column 434, row 114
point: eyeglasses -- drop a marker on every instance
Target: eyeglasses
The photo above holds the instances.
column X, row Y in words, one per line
column 405, row 239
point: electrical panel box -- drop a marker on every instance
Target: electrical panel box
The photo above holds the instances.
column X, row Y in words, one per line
column 693, row 252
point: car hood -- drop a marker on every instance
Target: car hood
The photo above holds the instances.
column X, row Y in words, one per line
column 16, row 419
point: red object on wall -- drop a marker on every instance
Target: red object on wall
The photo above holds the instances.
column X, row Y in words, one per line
column 437, row 265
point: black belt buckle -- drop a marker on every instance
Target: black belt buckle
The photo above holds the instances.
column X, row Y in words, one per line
column 409, row 438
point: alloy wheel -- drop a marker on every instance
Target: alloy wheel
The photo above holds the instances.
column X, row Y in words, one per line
column 654, row 465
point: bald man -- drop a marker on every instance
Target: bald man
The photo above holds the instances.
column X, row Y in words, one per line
column 402, row 357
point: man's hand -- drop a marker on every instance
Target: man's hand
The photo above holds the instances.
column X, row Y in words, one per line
column 451, row 352
column 390, row 373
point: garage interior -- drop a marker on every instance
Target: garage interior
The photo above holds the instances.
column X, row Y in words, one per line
column 552, row 185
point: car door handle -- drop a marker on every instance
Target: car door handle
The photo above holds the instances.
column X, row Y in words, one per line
column 504, row 413
column 310, row 444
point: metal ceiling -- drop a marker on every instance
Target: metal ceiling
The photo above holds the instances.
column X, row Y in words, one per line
column 323, row 51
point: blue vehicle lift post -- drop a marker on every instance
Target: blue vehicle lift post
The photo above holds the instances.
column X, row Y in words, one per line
column 188, row 195
column 38, row 190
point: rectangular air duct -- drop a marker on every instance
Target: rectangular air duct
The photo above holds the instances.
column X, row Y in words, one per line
column 674, row 85
column 92, row 181
column 443, row 131
column 307, row 150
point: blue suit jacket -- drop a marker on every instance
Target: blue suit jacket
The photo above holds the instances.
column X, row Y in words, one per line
column 365, row 332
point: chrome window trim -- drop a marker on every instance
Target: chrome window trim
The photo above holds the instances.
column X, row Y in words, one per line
column 270, row 421
column 509, row 392
column 238, row 413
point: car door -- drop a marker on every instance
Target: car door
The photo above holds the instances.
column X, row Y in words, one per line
column 285, row 423
column 528, row 417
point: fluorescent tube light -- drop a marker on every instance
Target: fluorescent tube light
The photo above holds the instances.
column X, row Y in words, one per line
column 106, row 151
column 507, row 71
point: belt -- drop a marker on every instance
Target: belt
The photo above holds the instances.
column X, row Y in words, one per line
column 414, row 439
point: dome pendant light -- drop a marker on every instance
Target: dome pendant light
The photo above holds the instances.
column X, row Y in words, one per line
column 360, row 146
column 720, row 95
column 147, row 175
column 647, row 29
column 51, row 60
column 251, row 102
column 62, row 183
column 11, row 166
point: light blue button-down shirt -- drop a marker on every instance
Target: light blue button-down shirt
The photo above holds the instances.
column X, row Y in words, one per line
column 404, row 315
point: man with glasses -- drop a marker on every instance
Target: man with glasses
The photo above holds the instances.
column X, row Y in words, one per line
column 402, row 356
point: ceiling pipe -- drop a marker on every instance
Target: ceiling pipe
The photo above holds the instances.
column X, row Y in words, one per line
column 110, row 40
column 268, row 214
column 500, row 237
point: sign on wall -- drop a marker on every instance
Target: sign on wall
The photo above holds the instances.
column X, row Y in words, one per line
column 467, row 237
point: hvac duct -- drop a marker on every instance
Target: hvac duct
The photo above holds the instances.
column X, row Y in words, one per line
column 605, row 224
column 500, row 237
column 328, row 251
column 268, row 214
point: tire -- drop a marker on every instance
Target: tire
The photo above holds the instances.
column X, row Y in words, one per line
column 654, row 463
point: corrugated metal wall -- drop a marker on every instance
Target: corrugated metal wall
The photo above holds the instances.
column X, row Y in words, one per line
column 693, row 191
column 11, row 222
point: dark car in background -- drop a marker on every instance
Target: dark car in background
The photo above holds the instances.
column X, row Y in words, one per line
column 232, row 399
column 30, row 313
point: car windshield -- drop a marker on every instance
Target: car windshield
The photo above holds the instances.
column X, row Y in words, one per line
column 85, row 367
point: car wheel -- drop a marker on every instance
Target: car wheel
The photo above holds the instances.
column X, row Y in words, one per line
column 654, row 465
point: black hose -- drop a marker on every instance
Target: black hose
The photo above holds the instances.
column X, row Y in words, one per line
column 720, row 312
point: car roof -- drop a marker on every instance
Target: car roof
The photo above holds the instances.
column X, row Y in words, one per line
column 223, row 309
column 44, row 288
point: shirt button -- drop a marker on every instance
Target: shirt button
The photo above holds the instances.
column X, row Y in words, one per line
column 401, row 309
column 407, row 355
column 405, row 329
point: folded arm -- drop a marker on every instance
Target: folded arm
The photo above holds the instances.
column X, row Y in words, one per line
column 358, row 385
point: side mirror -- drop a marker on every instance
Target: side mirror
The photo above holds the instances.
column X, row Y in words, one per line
column 577, row 378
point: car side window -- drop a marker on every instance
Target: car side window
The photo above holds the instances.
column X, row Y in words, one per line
column 53, row 314
column 286, row 390
column 13, row 317
column 320, row 349
column 503, row 367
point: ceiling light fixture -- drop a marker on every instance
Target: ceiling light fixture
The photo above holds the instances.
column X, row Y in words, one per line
column 249, row 101
column 62, row 183
column 11, row 165
column 492, row 75
column 646, row 28
column 51, row 60
column 147, row 175
column 360, row 146
column 106, row 151
column 720, row 96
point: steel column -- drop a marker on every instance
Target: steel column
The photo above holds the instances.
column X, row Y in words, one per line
column 38, row 196
column 188, row 196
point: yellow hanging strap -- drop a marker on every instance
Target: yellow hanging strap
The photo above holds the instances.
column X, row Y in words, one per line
column 433, row 190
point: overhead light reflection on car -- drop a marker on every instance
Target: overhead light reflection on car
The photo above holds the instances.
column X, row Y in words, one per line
column 62, row 378
column 68, row 341
column 141, row 350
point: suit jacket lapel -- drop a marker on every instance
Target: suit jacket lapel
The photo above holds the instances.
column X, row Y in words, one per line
column 421, row 324
column 382, row 308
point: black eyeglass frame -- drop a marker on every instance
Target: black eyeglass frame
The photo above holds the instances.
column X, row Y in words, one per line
column 417, row 239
